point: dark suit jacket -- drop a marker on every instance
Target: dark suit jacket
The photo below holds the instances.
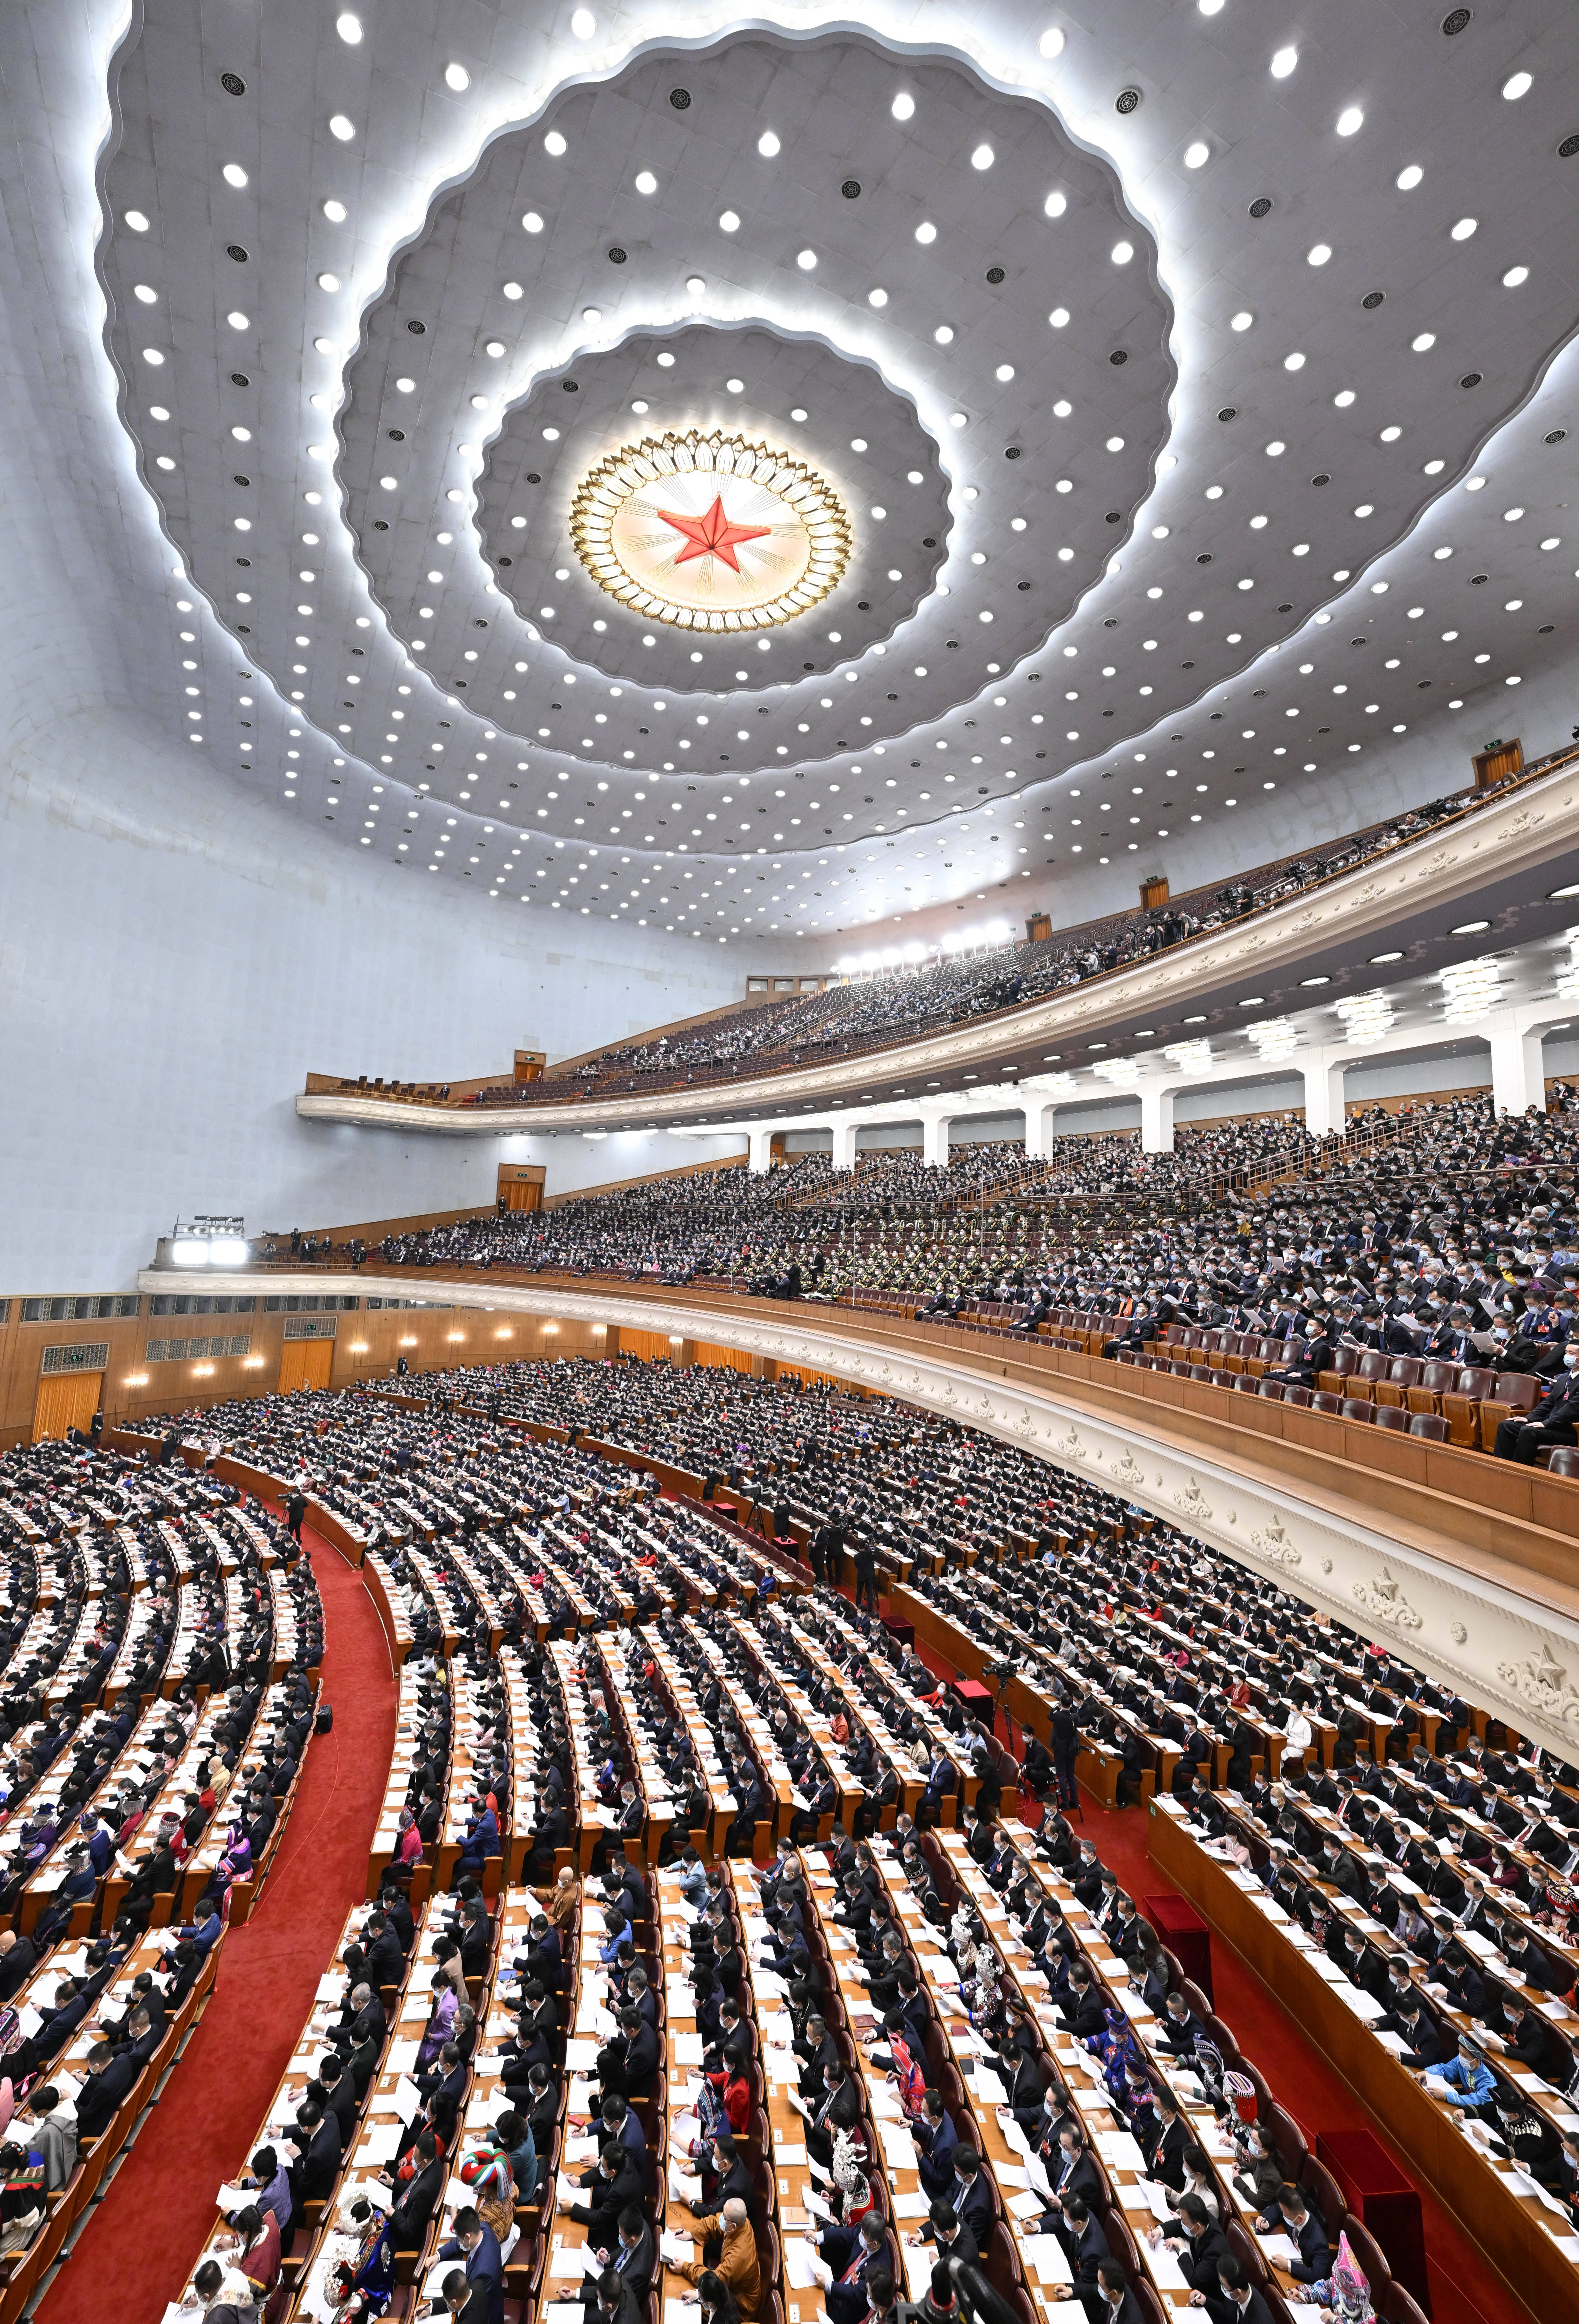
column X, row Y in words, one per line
column 102, row 2094
column 412, row 2213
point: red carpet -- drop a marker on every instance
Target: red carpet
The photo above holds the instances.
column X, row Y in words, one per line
column 1464, row 2289
column 141, row 2241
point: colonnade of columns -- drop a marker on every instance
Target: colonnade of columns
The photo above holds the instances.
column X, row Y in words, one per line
column 1514, row 1037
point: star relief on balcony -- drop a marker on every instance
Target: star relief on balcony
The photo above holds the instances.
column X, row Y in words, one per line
column 710, row 532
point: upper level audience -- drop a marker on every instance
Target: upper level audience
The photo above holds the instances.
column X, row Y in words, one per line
column 809, row 1027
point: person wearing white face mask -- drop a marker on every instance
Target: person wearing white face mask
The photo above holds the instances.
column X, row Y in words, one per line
column 1553, row 1420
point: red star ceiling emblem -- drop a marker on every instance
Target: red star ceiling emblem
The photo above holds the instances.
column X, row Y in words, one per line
column 713, row 535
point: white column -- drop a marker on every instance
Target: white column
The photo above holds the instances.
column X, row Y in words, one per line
column 844, row 1142
column 1323, row 1072
column 1156, row 1118
column 760, row 1149
column 1039, row 1128
column 935, row 1138
column 1517, row 1074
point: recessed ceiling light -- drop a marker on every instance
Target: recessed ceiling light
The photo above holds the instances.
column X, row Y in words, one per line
column 903, row 107
column 1349, row 120
column 583, row 25
column 554, row 142
column 1283, row 63
column 646, row 183
column 1243, row 320
column 1470, row 928
column 1380, row 959
column 983, row 158
column 1318, row 253
column 1518, row 85
column 349, row 29
column 1514, row 277
column 877, row 297
column 1055, row 205
column 729, row 222
column 146, row 293
column 805, row 259
column 1561, row 895
column 1295, row 362
column 925, row 232
column 234, row 174
column 1058, row 317
column 1407, row 179
column 342, row 127
column 455, row 77
column 1315, row 980
column 1464, row 229
column 1122, row 252
column 1195, row 1021
column 1423, row 342
column 1197, row 156
column 137, row 221
column 1051, row 44
column 335, row 212
column 768, row 145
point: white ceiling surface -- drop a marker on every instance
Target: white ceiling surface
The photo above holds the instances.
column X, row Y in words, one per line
column 1427, row 101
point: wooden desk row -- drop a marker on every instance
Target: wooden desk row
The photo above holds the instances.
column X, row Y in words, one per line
column 1534, row 2248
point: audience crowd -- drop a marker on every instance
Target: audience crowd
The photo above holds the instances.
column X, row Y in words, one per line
column 811, row 1027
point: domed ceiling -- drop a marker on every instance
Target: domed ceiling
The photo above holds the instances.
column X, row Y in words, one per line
column 790, row 469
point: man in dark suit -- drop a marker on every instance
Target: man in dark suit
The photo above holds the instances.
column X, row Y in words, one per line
column 1073, row 2179
column 1113, row 2303
column 1313, row 2256
column 1197, row 2240
column 616, row 2183
column 111, row 2076
column 384, row 1962
column 1085, row 2245
column 838, row 2108
column 1553, row 1419
column 315, row 2146
column 408, row 2219
column 936, row 2139
column 729, row 2178
column 849, row 2258
column 971, row 2195
column 629, row 2063
column 1236, row 2299
column 475, row 2243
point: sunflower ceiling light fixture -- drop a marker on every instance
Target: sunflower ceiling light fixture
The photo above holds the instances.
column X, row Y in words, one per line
column 710, row 532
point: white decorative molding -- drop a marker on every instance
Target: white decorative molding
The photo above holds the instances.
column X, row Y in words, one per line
column 1505, row 1649
column 1542, row 1683
column 1274, row 1543
column 1523, row 828
column 1381, row 1596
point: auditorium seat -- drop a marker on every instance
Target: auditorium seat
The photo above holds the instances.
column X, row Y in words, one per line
column 1429, row 1424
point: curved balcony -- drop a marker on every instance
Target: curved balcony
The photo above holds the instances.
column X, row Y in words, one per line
column 1467, row 1562
column 1508, row 849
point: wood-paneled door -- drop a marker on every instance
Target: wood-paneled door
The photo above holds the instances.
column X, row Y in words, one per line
column 305, row 1363
column 65, row 1400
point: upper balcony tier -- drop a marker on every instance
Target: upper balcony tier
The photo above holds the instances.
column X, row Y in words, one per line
column 1512, row 847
